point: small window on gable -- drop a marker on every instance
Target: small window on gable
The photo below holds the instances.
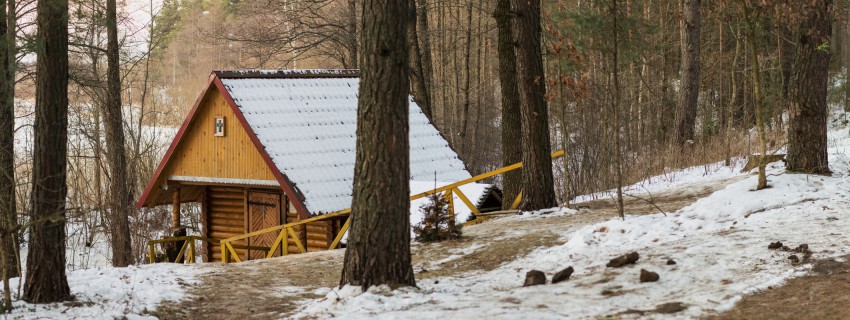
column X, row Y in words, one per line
column 219, row 126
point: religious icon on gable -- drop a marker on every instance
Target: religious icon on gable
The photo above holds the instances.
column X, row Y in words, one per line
column 219, row 126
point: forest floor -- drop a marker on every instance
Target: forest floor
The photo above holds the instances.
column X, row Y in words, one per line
column 704, row 231
column 275, row 288
column 822, row 294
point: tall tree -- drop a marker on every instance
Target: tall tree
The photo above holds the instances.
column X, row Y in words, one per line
column 424, row 36
column 615, row 103
column 511, row 122
column 378, row 249
column 122, row 251
column 351, row 37
column 687, row 110
column 45, row 276
column 751, row 16
column 537, row 187
column 807, row 140
column 415, row 62
column 8, row 209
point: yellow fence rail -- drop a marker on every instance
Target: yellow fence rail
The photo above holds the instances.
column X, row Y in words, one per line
column 286, row 231
column 188, row 243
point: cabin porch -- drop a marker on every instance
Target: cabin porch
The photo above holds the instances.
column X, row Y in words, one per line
column 230, row 210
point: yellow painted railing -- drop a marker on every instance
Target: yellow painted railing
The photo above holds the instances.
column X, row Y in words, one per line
column 188, row 243
column 228, row 248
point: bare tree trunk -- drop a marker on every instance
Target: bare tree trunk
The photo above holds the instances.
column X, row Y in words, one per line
column 419, row 87
column 122, row 250
column 618, row 150
column 511, row 122
column 689, row 95
column 353, row 48
column 807, row 139
column 8, row 208
column 425, row 47
column 757, row 99
column 786, row 55
column 538, row 188
column 45, row 277
column 733, row 96
column 378, row 249
column 466, row 96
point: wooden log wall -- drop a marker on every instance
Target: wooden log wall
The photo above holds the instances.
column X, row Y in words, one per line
column 318, row 236
column 226, row 208
column 225, row 211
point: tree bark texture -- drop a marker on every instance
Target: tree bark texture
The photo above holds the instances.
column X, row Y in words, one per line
column 511, row 122
column 424, row 35
column 786, row 57
column 537, row 187
column 8, row 208
column 378, row 249
column 415, row 62
column 758, row 103
column 688, row 97
column 120, row 206
column 353, row 48
column 45, row 276
column 807, row 141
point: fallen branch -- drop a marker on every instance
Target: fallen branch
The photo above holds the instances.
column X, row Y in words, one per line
column 650, row 201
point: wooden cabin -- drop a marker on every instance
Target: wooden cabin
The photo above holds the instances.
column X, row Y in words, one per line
column 263, row 148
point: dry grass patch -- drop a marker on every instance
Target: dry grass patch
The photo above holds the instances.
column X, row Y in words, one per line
column 824, row 294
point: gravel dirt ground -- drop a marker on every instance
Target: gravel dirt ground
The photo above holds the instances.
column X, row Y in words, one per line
column 821, row 295
column 273, row 288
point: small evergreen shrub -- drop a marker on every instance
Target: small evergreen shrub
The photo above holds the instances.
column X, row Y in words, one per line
column 437, row 223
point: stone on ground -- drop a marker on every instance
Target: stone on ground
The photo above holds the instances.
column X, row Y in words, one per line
column 648, row 276
column 563, row 275
column 534, row 277
column 626, row 259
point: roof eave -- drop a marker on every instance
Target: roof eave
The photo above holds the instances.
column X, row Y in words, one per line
column 152, row 183
column 287, row 74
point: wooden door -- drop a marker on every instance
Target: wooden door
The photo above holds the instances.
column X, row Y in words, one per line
column 264, row 211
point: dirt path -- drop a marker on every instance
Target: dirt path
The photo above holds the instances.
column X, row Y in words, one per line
column 822, row 295
column 273, row 288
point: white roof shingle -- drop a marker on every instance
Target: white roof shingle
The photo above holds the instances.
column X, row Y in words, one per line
column 307, row 124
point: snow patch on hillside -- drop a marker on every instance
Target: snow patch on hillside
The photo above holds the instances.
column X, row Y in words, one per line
column 719, row 244
column 114, row 293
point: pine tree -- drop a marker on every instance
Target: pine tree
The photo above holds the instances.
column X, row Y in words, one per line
column 689, row 95
column 8, row 208
column 807, row 139
column 378, row 249
column 538, row 186
column 122, row 252
column 45, row 277
column 511, row 122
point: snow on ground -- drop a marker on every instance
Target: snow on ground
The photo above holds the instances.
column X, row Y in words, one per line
column 674, row 179
column 719, row 243
column 113, row 293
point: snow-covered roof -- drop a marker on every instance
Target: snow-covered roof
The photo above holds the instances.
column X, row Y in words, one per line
column 306, row 121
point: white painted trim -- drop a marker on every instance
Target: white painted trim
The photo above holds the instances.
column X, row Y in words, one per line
column 251, row 182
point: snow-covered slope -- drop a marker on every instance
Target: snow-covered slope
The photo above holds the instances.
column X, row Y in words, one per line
column 114, row 293
column 719, row 244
